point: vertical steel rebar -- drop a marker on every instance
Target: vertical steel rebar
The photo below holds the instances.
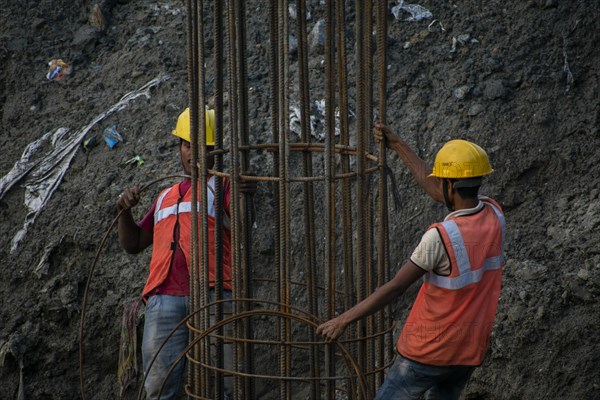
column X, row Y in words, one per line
column 367, row 65
column 330, row 182
column 274, row 103
column 361, row 189
column 382, row 234
column 307, row 169
column 199, row 184
column 241, row 97
column 192, row 23
column 346, row 218
column 284, row 234
column 219, row 205
column 238, row 274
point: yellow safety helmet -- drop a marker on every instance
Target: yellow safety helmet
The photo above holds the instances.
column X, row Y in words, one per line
column 461, row 159
column 182, row 129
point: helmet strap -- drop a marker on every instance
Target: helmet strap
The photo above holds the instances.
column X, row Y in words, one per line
column 446, row 197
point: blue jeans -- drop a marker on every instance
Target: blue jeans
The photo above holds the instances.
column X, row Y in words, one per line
column 163, row 313
column 407, row 379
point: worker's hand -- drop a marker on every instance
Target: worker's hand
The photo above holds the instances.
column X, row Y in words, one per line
column 383, row 131
column 129, row 198
column 248, row 186
column 332, row 329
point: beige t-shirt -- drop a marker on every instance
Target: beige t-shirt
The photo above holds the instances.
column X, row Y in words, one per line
column 430, row 254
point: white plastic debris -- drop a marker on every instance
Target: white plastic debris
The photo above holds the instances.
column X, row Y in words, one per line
column 566, row 69
column 417, row 12
column 462, row 40
column 317, row 120
column 294, row 13
column 44, row 172
column 430, row 26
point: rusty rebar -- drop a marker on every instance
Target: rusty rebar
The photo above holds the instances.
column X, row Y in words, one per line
column 240, row 353
column 382, row 233
column 346, row 217
column 192, row 36
column 307, row 170
column 247, row 204
column 219, row 190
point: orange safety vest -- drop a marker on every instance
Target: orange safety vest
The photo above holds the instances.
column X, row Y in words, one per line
column 452, row 317
column 170, row 209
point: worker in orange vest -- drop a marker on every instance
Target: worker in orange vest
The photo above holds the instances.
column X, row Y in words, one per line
column 460, row 259
column 167, row 227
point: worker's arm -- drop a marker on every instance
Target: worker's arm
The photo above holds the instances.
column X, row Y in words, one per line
column 415, row 164
column 131, row 237
column 384, row 295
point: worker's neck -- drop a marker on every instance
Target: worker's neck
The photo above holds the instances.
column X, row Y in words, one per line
column 462, row 203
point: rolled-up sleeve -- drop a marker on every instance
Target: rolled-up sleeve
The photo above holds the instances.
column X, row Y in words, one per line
column 430, row 254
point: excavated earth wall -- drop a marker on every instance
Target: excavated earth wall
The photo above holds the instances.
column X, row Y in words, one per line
column 521, row 78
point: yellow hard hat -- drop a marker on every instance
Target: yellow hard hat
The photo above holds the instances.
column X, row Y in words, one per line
column 461, row 159
column 182, row 129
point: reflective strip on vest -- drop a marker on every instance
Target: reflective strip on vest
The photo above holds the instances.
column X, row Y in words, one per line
column 186, row 207
column 466, row 275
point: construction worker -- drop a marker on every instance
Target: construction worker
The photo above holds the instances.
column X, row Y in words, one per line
column 460, row 259
column 167, row 226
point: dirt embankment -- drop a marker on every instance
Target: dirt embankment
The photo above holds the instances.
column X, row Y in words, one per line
column 520, row 78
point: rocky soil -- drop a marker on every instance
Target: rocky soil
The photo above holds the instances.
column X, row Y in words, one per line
column 521, row 78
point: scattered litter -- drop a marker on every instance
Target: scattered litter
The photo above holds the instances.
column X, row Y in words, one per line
column 466, row 39
column 294, row 13
column 91, row 142
column 463, row 39
column 317, row 120
column 566, row 69
column 58, row 69
column 138, row 160
column 417, row 12
column 429, row 27
column 45, row 171
column 111, row 136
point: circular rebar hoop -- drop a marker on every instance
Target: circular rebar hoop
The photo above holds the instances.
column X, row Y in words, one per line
column 309, row 320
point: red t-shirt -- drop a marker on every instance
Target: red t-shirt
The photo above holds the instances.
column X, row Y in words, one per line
column 178, row 279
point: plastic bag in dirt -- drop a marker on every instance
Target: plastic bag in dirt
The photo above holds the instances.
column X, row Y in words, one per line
column 45, row 161
column 417, row 12
column 111, row 136
column 317, row 120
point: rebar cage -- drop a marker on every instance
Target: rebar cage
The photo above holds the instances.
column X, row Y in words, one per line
column 328, row 202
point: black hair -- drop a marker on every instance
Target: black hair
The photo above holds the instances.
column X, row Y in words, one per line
column 467, row 188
